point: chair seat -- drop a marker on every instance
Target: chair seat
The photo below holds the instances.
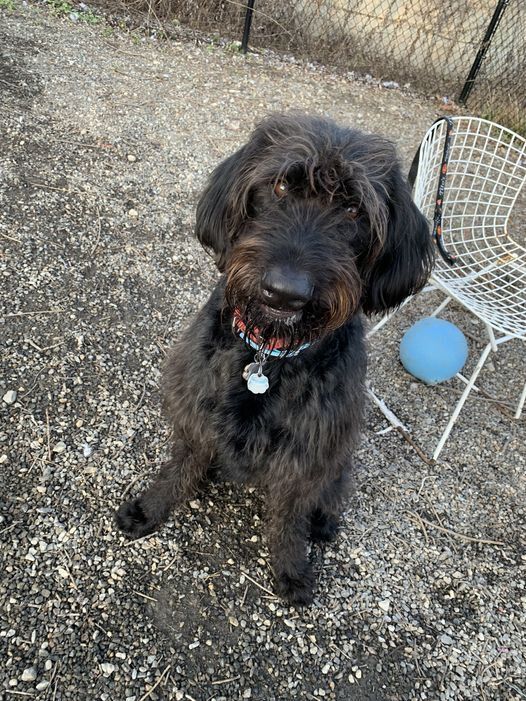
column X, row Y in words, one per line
column 493, row 287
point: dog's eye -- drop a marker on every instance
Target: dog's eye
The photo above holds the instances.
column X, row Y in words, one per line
column 353, row 211
column 281, row 188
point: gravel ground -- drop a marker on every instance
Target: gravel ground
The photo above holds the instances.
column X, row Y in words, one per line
column 106, row 140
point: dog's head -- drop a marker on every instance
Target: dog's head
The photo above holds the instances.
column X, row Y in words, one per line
column 311, row 222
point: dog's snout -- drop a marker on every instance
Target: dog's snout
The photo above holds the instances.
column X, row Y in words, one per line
column 286, row 288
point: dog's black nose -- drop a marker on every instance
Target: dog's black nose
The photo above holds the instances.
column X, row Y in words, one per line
column 286, row 288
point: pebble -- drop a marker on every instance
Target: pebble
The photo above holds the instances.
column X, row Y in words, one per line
column 87, row 450
column 29, row 674
column 107, row 668
column 10, row 396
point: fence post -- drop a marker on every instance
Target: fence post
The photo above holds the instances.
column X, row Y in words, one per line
column 248, row 22
column 475, row 68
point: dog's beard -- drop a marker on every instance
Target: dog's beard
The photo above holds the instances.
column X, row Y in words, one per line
column 289, row 330
column 337, row 300
column 286, row 331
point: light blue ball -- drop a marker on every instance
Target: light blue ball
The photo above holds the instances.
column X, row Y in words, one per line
column 433, row 350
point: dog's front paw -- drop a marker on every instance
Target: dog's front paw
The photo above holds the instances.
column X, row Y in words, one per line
column 297, row 588
column 131, row 519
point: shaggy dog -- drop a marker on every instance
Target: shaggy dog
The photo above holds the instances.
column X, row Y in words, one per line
column 310, row 224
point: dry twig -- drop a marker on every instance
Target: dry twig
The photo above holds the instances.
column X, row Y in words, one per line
column 257, row 584
column 150, row 691
column 450, row 531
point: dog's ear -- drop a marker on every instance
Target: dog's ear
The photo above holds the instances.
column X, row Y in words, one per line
column 406, row 257
column 218, row 208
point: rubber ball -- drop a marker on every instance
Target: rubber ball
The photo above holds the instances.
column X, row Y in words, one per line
column 433, row 350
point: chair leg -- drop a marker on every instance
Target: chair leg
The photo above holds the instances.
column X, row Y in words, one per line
column 387, row 318
column 521, row 403
column 441, row 306
column 462, row 400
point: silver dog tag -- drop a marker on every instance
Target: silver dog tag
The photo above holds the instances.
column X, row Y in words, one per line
column 250, row 369
column 257, row 383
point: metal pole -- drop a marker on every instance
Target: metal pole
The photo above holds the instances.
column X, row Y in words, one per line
column 475, row 68
column 248, row 22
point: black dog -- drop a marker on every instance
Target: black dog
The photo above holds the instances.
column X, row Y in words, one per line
column 311, row 224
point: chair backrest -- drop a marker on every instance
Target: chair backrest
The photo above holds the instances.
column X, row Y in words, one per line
column 486, row 172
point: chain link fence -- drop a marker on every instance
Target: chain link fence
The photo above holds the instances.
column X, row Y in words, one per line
column 435, row 48
column 499, row 89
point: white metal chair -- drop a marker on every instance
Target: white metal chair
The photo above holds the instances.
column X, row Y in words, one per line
column 478, row 264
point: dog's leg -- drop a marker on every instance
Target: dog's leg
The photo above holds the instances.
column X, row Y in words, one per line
column 177, row 481
column 324, row 526
column 325, row 517
column 288, row 536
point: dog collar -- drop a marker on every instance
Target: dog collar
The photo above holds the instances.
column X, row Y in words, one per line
column 257, row 381
column 273, row 347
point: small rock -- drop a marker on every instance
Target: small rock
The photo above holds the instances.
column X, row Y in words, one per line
column 59, row 447
column 131, row 158
column 10, row 396
column 446, row 640
column 87, row 450
column 133, row 213
column 29, row 674
column 384, row 605
column 107, row 668
column 42, row 685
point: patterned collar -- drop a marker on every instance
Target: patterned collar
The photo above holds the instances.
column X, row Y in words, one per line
column 274, row 347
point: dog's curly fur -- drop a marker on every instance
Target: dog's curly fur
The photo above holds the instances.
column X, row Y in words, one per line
column 330, row 204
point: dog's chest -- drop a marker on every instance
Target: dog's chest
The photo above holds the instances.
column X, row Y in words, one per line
column 310, row 411
column 252, row 428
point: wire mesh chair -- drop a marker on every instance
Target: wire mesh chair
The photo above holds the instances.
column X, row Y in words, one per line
column 470, row 174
